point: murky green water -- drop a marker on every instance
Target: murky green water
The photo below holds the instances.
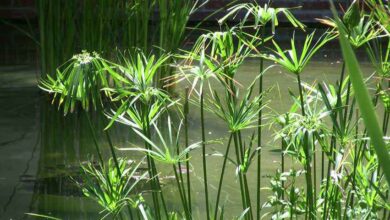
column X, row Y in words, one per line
column 40, row 148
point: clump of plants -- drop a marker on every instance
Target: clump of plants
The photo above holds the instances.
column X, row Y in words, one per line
column 331, row 131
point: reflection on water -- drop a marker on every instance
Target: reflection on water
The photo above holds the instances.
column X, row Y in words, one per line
column 40, row 149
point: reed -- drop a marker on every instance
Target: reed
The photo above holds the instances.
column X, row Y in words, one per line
column 112, row 190
column 141, row 104
column 262, row 16
column 67, row 27
column 167, row 150
column 186, row 112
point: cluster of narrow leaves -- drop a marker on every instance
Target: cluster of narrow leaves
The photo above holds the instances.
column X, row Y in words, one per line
column 167, row 148
column 112, row 187
column 79, row 80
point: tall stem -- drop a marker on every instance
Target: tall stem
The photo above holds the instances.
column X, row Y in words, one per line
column 238, row 161
column 187, row 155
column 152, row 182
column 284, row 143
column 306, row 146
column 222, row 175
column 333, row 144
column 181, row 192
column 258, row 207
column 204, row 155
column 113, row 153
column 245, row 181
column 115, row 158
column 94, row 139
column 301, row 94
column 156, row 179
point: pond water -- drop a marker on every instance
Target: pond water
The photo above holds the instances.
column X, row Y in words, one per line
column 40, row 148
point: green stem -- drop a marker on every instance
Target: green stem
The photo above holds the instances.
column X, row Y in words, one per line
column 153, row 184
column 222, row 175
column 116, row 164
column 307, row 151
column 182, row 193
column 322, row 165
column 94, row 139
column 355, row 163
column 186, row 110
column 151, row 166
column 245, row 181
column 284, row 143
column 113, row 153
column 155, row 175
column 238, row 162
column 301, row 94
column 204, row 154
column 258, row 191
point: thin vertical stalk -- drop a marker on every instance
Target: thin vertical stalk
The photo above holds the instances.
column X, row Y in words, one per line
column 151, row 166
column 113, row 152
column 301, row 95
column 284, row 143
column 258, row 186
column 180, row 184
column 186, row 111
column 308, row 161
column 115, row 158
column 94, row 138
column 333, row 143
column 155, row 175
column 181, row 192
column 315, row 173
column 238, row 161
column 204, row 154
column 322, row 165
column 222, row 175
column 245, row 181
column 355, row 163
column 153, row 184
column 332, row 147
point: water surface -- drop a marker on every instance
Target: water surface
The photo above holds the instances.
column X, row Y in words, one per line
column 40, row 148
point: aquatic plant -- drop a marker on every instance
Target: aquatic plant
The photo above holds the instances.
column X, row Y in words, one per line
column 365, row 104
column 337, row 121
column 141, row 103
column 263, row 15
column 174, row 16
column 167, row 149
column 219, row 55
column 380, row 11
column 79, row 80
column 68, row 27
column 113, row 189
column 238, row 116
column 201, row 73
column 294, row 61
column 293, row 204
